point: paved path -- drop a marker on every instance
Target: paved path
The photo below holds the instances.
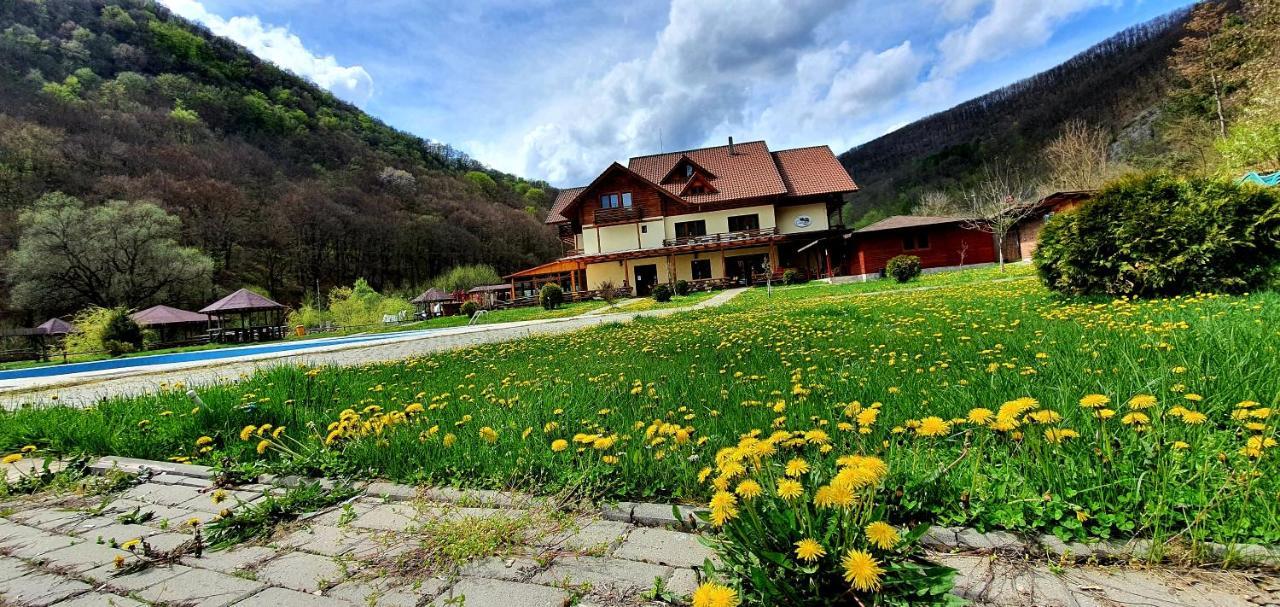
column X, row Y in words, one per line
column 85, row 389
column 401, row 546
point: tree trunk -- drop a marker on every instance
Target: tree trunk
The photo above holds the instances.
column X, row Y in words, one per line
column 1217, row 102
column 1000, row 252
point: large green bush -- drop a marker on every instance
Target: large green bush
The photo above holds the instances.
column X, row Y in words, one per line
column 1159, row 235
column 551, row 296
column 662, row 293
column 903, row 268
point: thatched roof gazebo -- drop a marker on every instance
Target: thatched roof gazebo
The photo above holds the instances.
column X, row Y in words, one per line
column 431, row 296
column 260, row 318
column 435, row 302
column 171, row 324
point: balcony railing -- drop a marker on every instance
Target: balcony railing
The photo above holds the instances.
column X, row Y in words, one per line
column 618, row 215
column 719, row 238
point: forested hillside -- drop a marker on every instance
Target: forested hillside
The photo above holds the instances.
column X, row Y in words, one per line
column 284, row 186
column 1112, row 85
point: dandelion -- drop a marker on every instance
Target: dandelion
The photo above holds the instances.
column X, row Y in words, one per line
column 277, row 432
column 789, row 489
column 861, row 570
column 1194, row 418
column 1135, row 419
column 980, row 416
column 1142, row 401
column 203, row 441
column 882, row 535
column 724, row 508
column 559, row 445
column 489, row 435
column 28, row 449
column 809, row 550
column 796, row 467
column 1094, row 401
column 711, row 594
column 749, row 489
column 263, row 445
column 11, row 458
column 131, row 544
column 1057, row 435
column 449, row 439
column 932, row 426
column 218, row 496
column 247, row 432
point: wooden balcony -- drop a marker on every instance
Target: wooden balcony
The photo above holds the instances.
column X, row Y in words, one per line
column 724, row 237
column 618, row 215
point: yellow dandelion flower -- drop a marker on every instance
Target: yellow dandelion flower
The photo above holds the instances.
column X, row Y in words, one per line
column 489, row 435
column 1142, row 401
column 809, row 550
column 932, row 426
column 204, row 440
column 749, row 489
column 711, row 594
column 263, row 445
column 1094, row 401
column 980, row 415
column 797, row 467
column 28, row 449
column 1135, row 419
column 131, row 544
column 789, row 489
column 861, row 570
column 11, row 458
column 882, row 535
column 218, row 496
column 1194, row 418
column 559, row 445
column 277, row 432
column 247, row 432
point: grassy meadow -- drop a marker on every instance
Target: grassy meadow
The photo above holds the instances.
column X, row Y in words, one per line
column 997, row 405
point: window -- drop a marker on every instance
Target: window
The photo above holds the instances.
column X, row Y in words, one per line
column 742, row 223
column 697, row 189
column 688, row 229
column 615, row 200
column 644, row 229
column 914, row 242
column 701, row 269
column 688, row 170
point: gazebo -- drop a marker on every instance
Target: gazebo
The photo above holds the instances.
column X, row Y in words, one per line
column 56, row 326
column 260, row 319
column 426, row 303
column 173, row 325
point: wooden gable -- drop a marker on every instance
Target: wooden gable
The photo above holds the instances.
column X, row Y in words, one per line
column 647, row 198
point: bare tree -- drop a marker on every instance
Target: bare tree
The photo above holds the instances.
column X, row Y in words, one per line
column 1208, row 55
column 1077, row 157
column 937, row 203
column 1002, row 198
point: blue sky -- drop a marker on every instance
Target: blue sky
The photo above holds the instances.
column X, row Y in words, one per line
column 557, row 90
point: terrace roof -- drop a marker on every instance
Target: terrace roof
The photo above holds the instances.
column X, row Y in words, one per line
column 243, row 300
column 167, row 315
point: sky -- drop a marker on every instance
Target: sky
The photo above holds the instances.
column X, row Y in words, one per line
column 557, row 90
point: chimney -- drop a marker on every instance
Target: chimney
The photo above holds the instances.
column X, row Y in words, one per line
column 731, row 152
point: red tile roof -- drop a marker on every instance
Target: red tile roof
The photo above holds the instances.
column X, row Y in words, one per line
column 813, row 170
column 562, row 200
column 751, row 171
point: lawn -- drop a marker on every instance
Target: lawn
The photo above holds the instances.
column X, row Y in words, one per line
column 997, row 405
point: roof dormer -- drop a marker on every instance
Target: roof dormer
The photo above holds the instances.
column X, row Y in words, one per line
column 696, row 185
column 685, row 169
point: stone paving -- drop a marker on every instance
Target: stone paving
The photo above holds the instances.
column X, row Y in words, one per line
column 402, row 546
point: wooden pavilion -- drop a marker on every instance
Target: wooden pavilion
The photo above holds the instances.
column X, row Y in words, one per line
column 435, row 302
column 173, row 326
column 245, row 316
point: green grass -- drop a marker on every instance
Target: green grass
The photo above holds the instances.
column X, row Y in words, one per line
column 677, row 301
column 795, row 363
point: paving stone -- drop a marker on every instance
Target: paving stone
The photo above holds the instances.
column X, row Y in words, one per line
column 480, row 592
column 1122, row 551
column 13, row 533
column 333, row 517
column 661, row 515
column 302, row 571
column 81, row 557
column 49, row 519
column 1064, row 550
column 40, row 589
column 96, row 599
column 603, row 573
column 30, row 548
column 228, row 561
column 134, row 582
column 204, row 501
column 168, row 542
column 619, row 512
column 515, row 569
column 389, row 517
column 283, row 597
column 595, row 535
column 990, row 581
column 11, row 568
column 940, row 538
column 119, row 532
column 393, row 491
column 664, row 547
column 323, row 539
column 972, row 539
column 201, row 588
column 683, row 582
column 376, row 593
column 135, row 466
column 1254, row 553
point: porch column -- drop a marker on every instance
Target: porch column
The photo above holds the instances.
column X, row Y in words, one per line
column 773, row 257
column 827, row 251
column 671, row 269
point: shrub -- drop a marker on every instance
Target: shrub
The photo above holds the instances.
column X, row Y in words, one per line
column 808, row 528
column 359, row 305
column 661, row 293
column 791, row 276
column 121, row 335
column 608, row 292
column 469, row 308
column 1157, row 235
column 551, row 296
column 462, row 278
column 682, row 287
column 903, row 268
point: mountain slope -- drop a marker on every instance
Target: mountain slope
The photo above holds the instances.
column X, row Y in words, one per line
column 285, row 186
column 1115, row 84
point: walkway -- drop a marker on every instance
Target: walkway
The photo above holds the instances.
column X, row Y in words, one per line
column 403, row 546
column 82, row 389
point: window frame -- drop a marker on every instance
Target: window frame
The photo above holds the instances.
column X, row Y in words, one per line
column 755, row 220
column 680, row 224
column 616, row 200
column 919, row 241
column 693, row 270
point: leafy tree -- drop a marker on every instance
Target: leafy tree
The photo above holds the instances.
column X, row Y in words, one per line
column 482, row 181
column 1208, row 55
column 115, row 254
column 466, row 277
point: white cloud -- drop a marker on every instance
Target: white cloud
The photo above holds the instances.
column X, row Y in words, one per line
column 283, row 48
column 1008, row 27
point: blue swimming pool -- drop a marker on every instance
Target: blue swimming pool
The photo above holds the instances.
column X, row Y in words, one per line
column 182, row 357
